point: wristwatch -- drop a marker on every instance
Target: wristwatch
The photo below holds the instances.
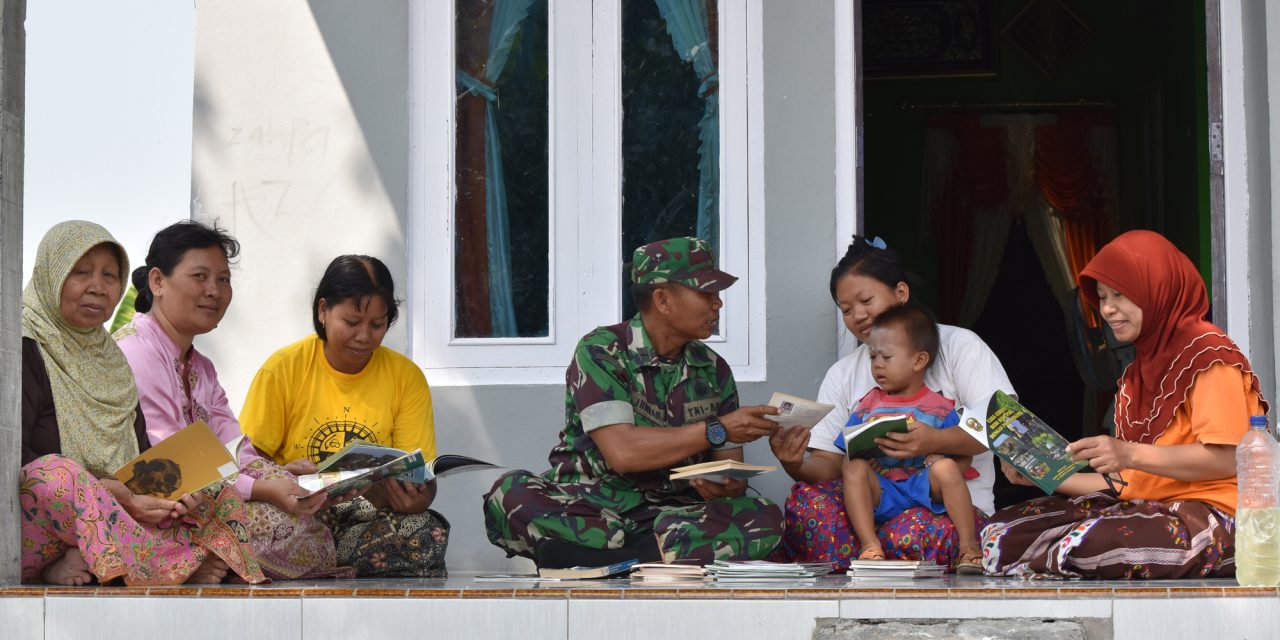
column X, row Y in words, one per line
column 716, row 434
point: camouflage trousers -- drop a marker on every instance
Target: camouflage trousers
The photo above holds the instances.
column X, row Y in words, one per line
column 523, row 509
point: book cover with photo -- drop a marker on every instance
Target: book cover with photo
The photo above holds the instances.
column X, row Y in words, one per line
column 185, row 462
column 360, row 464
column 1021, row 439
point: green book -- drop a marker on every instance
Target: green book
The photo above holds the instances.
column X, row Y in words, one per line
column 860, row 439
column 1021, row 439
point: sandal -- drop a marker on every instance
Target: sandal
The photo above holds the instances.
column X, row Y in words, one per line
column 969, row 563
column 871, row 554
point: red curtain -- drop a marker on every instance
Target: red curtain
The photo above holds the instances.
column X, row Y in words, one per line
column 1068, row 180
column 1065, row 177
column 471, row 247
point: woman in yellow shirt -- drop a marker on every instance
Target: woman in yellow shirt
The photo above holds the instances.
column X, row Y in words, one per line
column 1181, row 408
column 313, row 397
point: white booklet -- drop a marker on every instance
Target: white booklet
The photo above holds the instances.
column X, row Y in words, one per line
column 794, row 410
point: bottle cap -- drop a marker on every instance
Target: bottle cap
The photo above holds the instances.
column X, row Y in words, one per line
column 1257, row 422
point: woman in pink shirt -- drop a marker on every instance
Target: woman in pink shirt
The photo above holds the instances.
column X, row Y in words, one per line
column 183, row 291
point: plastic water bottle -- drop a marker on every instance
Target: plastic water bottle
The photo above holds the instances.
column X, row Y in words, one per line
column 1258, row 507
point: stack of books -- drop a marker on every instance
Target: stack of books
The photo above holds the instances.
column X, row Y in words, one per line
column 894, row 570
column 762, row 571
column 659, row 572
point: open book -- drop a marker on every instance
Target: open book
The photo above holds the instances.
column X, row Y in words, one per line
column 1018, row 437
column 718, row 470
column 360, row 464
column 794, row 410
column 860, row 439
column 185, row 462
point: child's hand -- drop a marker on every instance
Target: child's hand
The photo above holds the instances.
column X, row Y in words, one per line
column 932, row 458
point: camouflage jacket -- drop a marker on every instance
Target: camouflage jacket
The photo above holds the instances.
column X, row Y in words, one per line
column 616, row 377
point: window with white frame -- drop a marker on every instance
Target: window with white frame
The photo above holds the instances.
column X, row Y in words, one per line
column 551, row 138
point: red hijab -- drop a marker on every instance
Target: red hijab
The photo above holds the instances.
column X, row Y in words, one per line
column 1175, row 344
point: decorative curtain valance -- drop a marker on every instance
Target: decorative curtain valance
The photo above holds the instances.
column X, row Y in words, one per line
column 1056, row 172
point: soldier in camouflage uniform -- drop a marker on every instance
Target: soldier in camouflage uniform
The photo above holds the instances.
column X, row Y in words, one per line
column 642, row 397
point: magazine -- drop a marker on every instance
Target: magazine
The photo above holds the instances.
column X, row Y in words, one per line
column 359, row 454
column 341, row 482
column 185, row 462
column 794, row 410
column 1018, row 437
column 360, row 464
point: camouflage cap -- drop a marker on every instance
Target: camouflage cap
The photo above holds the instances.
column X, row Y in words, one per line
column 684, row 261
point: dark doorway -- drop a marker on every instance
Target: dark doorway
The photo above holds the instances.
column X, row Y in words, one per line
column 1139, row 65
column 1040, row 368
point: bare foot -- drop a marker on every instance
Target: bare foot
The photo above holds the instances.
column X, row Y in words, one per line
column 69, row 570
column 212, row 571
column 871, row 553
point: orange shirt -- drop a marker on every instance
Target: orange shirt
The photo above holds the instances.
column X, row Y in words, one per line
column 1216, row 411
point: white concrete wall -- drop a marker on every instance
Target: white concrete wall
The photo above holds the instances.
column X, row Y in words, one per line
column 1247, row 173
column 301, row 150
column 299, row 147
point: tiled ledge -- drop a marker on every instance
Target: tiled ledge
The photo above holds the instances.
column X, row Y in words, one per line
column 827, row 588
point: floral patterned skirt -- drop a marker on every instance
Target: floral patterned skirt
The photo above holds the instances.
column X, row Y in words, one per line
column 382, row 543
column 1098, row 536
column 63, row 506
column 818, row 530
column 288, row 546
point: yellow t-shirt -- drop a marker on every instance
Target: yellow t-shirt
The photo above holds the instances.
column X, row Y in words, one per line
column 301, row 407
column 1216, row 411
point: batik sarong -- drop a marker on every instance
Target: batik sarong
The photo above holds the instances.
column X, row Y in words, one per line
column 289, row 547
column 382, row 543
column 64, row 506
column 1098, row 536
column 818, row 530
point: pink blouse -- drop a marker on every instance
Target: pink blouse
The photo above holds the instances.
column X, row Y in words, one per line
column 167, row 404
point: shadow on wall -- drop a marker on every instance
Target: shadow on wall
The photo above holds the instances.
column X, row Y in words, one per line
column 366, row 71
column 280, row 163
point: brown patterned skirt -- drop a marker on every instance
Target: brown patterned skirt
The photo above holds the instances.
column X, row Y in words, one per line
column 383, row 543
column 1098, row 536
column 289, row 547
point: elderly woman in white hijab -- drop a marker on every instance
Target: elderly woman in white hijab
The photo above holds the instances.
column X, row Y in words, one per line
column 80, row 423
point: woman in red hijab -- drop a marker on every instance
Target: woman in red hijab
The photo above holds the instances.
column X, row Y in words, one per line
column 1181, row 408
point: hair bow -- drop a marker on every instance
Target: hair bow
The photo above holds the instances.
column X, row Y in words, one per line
column 878, row 243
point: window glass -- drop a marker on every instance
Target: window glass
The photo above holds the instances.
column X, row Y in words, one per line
column 670, row 124
column 501, row 265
